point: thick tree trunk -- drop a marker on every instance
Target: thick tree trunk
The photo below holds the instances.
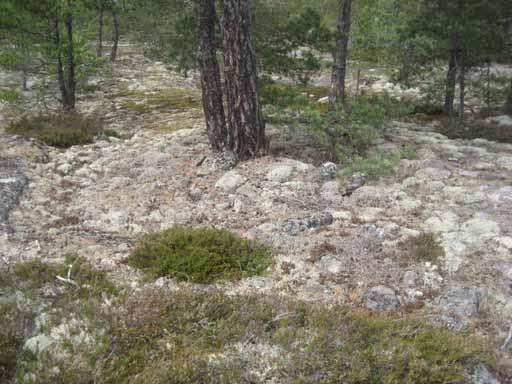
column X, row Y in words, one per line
column 210, row 77
column 69, row 103
column 99, row 49
column 451, row 78
column 339, row 70
column 115, row 36
column 245, row 120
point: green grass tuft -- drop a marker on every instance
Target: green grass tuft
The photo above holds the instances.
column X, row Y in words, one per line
column 57, row 130
column 199, row 255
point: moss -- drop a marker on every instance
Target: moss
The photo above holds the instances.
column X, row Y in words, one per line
column 209, row 337
column 174, row 99
column 199, row 255
column 57, row 130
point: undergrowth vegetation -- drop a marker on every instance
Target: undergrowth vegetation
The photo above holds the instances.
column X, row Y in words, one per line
column 424, row 248
column 58, row 130
column 156, row 337
column 199, row 255
column 375, row 165
column 480, row 129
column 172, row 99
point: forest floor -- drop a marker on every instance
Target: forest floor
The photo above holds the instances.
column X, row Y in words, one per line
column 96, row 200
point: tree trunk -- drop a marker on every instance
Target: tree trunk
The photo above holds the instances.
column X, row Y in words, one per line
column 69, row 103
column 60, row 65
column 99, row 50
column 210, row 77
column 115, row 36
column 339, row 70
column 508, row 103
column 246, row 127
column 451, row 78
column 462, row 89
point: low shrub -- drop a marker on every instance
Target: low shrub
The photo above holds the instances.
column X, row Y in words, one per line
column 11, row 340
column 424, row 248
column 57, row 130
column 199, row 255
column 480, row 129
column 375, row 165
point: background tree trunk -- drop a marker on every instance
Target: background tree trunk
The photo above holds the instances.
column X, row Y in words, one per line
column 99, row 50
column 508, row 103
column 210, row 77
column 462, row 89
column 339, row 70
column 69, row 103
column 451, row 78
column 115, row 36
column 245, row 121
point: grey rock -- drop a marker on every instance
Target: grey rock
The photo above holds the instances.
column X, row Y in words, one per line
column 281, row 174
column 461, row 301
column 357, row 180
column 328, row 171
column 330, row 264
column 230, row 181
column 410, row 278
column 449, row 322
column 479, row 374
column 295, row 226
column 381, row 298
column 12, row 184
column 223, row 161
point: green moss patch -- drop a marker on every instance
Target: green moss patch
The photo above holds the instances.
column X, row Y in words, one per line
column 57, row 130
column 199, row 255
column 174, row 99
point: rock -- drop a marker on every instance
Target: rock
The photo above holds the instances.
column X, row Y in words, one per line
column 505, row 162
column 381, row 298
column 409, row 278
column 223, row 161
column 280, row 174
column 38, row 344
column 230, row 181
column 330, row 191
column 503, row 120
column 461, row 301
column 479, row 374
column 342, row 215
column 480, row 226
column 330, row 264
column 368, row 215
column 328, row 171
column 355, row 181
column 433, row 174
column 12, row 184
column 295, row 226
column 442, row 222
column 449, row 322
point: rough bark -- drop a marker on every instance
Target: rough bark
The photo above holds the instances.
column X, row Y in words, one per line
column 210, row 77
column 246, row 127
column 60, row 65
column 99, row 49
column 115, row 36
column 451, row 77
column 69, row 102
column 339, row 70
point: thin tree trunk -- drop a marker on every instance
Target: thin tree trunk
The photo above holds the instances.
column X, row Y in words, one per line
column 99, row 50
column 462, row 89
column 451, row 78
column 60, row 66
column 210, row 77
column 24, row 79
column 339, row 70
column 245, row 120
column 508, row 103
column 69, row 105
column 115, row 36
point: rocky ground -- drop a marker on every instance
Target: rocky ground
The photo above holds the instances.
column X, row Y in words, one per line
column 96, row 200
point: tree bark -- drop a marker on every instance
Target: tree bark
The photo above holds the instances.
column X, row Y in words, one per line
column 246, row 127
column 69, row 103
column 99, row 50
column 115, row 36
column 339, row 70
column 60, row 65
column 462, row 88
column 210, row 77
column 451, row 78
column 508, row 103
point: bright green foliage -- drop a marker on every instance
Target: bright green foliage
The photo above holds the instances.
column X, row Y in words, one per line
column 375, row 165
column 199, row 255
column 57, row 130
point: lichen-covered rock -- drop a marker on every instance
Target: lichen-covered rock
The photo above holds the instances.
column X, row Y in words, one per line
column 295, row 226
column 281, row 174
column 381, row 298
column 461, row 301
column 230, row 182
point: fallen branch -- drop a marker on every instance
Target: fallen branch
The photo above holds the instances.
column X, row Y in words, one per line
column 508, row 339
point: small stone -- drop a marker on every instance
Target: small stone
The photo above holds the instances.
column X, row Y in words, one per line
column 381, row 298
column 479, row 374
column 330, row 264
column 230, row 182
column 409, row 278
column 295, row 226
